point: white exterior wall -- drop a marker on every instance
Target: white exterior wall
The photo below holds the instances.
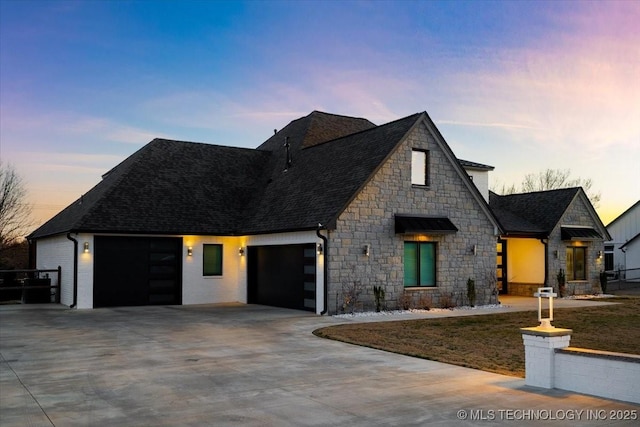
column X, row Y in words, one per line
column 85, row 271
column 54, row 252
column 622, row 229
column 196, row 288
column 199, row 289
column 481, row 181
column 632, row 257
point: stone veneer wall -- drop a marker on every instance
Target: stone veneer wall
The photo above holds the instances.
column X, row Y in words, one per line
column 369, row 220
column 576, row 214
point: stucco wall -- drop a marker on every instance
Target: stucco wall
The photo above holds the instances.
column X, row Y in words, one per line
column 369, row 220
column 525, row 266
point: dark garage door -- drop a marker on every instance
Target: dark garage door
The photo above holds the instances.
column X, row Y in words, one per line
column 282, row 276
column 137, row 271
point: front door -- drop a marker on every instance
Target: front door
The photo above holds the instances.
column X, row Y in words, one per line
column 501, row 266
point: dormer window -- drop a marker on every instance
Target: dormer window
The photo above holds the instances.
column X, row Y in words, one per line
column 420, row 167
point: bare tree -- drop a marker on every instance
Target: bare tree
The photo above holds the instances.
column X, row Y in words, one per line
column 15, row 213
column 552, row 179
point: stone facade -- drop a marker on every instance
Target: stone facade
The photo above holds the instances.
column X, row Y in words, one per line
column 369, row 220
column 577, row 214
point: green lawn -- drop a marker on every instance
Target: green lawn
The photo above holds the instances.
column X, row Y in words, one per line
column 493, row 342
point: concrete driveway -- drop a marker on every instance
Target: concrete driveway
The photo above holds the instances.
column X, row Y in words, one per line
column 244, row 365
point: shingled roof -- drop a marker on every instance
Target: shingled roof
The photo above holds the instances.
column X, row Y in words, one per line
column 178, row 187
column 535, row 213
column 168, row 187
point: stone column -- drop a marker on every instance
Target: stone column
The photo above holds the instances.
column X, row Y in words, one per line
column 539, row 351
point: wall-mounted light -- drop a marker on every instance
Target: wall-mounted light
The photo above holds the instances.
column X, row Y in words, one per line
column 474, row 249
column 241, row 251
column 599, row 255
column 190, row 251
column 86, row 247
column 319, row 248
column 555, row 254
column 366, row 250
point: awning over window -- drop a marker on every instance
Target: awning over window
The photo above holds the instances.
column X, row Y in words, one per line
column 425, row 225
column 579, row 233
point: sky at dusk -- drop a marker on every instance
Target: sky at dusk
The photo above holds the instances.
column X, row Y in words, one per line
column 522, row 86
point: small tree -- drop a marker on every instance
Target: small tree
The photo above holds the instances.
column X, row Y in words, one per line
column 471, row 292
column 560, row 277
column 350, row 295
column 15, row 213
column 551, row 179
column 379, row 294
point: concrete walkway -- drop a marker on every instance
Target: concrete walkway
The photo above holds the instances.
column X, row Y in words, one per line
column 250, row 366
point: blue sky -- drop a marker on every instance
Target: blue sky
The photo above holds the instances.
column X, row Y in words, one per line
column 523, row 86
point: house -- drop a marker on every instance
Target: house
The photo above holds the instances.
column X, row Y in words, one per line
column 544, row 232
column 324, row 210
column 622, row 251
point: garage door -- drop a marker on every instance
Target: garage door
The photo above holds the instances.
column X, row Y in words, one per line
column 137, row 271
column 282, row 276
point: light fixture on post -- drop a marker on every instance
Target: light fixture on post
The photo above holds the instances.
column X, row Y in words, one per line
column 319, row 248
column 190, row 251
column 86, row 247
column 366, row 250
column 241, row 251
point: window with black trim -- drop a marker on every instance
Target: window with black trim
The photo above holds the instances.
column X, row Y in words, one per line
column 608, row 257
column 419, row 264
column 576, row 263
column 212, row 260
column 420, row 167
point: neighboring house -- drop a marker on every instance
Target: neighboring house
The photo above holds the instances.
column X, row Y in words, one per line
column 622, row 252
column 544, row 232
column 327, row 202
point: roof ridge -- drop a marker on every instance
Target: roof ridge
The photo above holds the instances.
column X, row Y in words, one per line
column 335, row 115
column 575, row 189
column 376, row 127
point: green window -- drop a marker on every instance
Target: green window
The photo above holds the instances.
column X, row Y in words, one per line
column 576, row 263
column 212, row 260
column 419, row 264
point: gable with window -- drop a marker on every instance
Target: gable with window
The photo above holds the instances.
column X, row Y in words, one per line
column 419, row 264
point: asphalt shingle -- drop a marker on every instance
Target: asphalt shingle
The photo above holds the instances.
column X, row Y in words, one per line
column 531, row 213
column 178, row 187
